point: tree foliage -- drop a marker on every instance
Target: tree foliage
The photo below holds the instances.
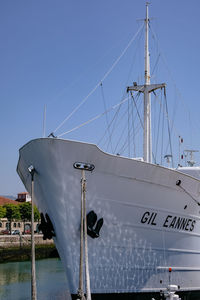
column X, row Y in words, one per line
column 2, row 212
column 25, row 211
column 12, row 212
column 36, row 214
column 19, row 212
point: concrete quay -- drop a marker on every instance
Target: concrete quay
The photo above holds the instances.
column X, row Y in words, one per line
column 18, row 248
column 9, row 241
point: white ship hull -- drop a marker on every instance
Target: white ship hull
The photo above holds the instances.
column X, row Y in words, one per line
column 151, row 224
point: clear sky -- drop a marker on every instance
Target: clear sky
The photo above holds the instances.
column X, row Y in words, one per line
column 55, row 52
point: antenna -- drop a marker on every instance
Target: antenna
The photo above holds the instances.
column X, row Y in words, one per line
column 168, row 158
column 191, row 162
column 44, row 121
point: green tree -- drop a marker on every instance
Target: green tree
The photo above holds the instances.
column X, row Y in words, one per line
column 36, row 214
column 12, row 213
column 25, row 211
column 2, row 212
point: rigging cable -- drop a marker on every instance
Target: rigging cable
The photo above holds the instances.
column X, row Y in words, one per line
column 122, row 132
column 106, row 115
column 120, row 138
column 169, row 132
column 179, row 94
column 99, row 83
column 124, row 146
column 155, row 66
column 126, row 142
column 162, row 143
column 128, row 128
column 138, row 94
column 113, row 122
column 158, row 130
column 133, row 129
column 94, row 118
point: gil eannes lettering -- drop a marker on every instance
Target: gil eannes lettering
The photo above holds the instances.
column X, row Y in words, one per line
column 174, row 222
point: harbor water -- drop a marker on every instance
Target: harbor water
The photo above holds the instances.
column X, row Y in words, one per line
column 15, row 280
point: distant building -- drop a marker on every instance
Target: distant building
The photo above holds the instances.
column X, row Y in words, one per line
column 23, row 197
column 4, row 201
column 23, row 227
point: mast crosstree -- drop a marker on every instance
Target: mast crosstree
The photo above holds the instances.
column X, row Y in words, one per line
column 147, row 89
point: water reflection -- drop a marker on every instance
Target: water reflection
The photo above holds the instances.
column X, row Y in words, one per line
column 15, row 280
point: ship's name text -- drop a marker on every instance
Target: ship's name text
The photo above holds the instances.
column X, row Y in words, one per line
column 174, row 222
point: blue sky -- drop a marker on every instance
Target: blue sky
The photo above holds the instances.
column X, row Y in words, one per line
column 53, row 53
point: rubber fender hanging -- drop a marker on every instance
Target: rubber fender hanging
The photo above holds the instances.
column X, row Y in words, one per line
column 92, row 230
column 46, row 227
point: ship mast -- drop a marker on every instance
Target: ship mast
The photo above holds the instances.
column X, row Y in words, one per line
column 147, row 142
column 146, row 89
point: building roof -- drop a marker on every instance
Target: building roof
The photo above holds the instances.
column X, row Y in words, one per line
column 23, row 193
column 4, row 201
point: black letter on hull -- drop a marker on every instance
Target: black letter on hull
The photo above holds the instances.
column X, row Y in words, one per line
column 145, row 217
column 166, row 221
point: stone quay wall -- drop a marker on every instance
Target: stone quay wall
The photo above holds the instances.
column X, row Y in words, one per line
column 18, row 248
column 9, row 241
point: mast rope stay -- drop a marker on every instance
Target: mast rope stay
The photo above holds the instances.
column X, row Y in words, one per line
column 114, row 128
column 134, row 133
column 132, row 136
column 158, row 131
column 106, row 115
column 101, row 81
column 112, row 123
column 94, row 118
column 169, row 131
column 138, row 94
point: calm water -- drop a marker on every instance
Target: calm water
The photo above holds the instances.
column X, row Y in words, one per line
column 15, row 280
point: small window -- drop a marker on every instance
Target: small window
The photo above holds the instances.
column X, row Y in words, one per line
column 15, row 225
column 19, row 224
column 1, row 224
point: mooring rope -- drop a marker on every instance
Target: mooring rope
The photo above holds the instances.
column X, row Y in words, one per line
column 80, row 289
column 83, row 245
column 87, row 274
column 31, row 170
